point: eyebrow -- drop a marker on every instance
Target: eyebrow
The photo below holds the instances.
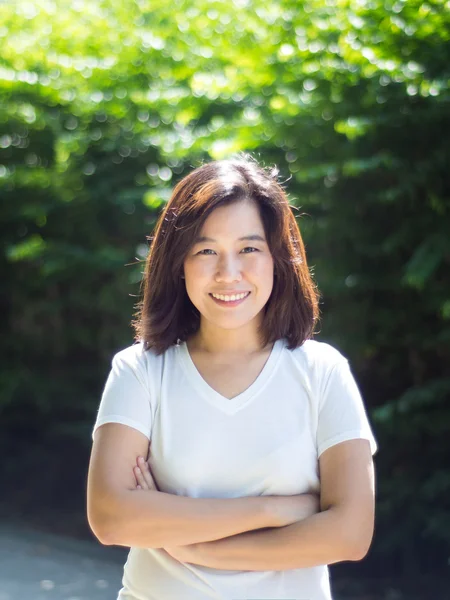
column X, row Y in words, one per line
column 253, row 237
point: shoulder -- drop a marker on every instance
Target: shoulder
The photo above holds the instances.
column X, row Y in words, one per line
column 317, row 356
column 314, row 362
column 139, row 359
column 133, row 355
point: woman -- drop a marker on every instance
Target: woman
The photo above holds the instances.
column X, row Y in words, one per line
column 235, row 407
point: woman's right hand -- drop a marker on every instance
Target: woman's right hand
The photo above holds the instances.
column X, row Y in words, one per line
column 286, row 510
column 143, row 475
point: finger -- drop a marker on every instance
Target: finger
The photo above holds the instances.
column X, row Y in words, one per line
column 136, row 478
column 135, row 473
column 148, row 477
column 140, row 478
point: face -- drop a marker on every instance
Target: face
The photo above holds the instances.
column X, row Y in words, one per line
column 230, row 258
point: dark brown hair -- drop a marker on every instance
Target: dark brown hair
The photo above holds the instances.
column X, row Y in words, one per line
column 166, row 314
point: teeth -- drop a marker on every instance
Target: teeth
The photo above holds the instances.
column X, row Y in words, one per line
column 230, row 298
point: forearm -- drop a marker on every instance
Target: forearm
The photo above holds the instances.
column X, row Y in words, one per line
column 318, row 540
column 152, row 519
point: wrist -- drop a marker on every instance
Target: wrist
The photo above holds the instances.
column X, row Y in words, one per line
column 270, row 508
column 315, row 504
column 204, row 553
column 310, row 505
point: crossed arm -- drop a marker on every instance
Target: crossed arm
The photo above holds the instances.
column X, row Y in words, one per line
column 237, row 533
column 341, row 530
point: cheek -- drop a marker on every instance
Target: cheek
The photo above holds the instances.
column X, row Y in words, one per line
column 197, row 274
column 197, row 271
column 262, row 269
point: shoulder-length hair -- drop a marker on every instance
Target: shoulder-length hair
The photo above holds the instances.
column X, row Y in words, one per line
column 165, row 315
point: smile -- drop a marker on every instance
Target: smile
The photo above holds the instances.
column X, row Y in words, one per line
column 231, row 300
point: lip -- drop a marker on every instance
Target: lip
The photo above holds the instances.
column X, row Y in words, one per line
column 230, row 303
column 231, row 293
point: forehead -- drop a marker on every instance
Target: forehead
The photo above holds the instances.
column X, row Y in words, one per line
column 234, row 219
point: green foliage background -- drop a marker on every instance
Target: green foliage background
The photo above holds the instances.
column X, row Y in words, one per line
column 106, row 105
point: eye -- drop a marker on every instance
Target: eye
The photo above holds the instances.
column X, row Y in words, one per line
column 246, row 250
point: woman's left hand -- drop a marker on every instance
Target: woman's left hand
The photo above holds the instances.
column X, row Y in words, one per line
column 145, row 481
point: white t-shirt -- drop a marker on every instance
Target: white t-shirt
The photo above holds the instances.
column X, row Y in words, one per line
column 265, row 441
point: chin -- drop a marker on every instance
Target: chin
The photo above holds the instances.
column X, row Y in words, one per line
column 233, row 323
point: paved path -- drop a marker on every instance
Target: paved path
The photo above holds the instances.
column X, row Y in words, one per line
column 40, row 566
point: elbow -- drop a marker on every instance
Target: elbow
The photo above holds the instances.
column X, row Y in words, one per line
column 106, row 535
column 358, row 554
column 356, row 536
column 101, row 527
column 354, row 554
column 360, row 548
column 105, row 515
column 108, row 540
column 102, row 533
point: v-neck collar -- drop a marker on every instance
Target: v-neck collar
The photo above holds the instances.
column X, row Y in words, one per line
column 229, row 405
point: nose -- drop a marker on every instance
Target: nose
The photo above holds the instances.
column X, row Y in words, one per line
column 228, row 270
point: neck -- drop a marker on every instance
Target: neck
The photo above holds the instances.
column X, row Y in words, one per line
column 214, row 340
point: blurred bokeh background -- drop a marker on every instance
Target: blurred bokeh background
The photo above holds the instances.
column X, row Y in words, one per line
column 104, row 106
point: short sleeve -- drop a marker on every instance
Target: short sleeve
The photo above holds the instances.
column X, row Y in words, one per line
column 342, row 415
column 126, row 398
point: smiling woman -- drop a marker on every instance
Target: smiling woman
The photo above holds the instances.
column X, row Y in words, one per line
column 224, row 272
column 227, row 216
column 258, row 467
